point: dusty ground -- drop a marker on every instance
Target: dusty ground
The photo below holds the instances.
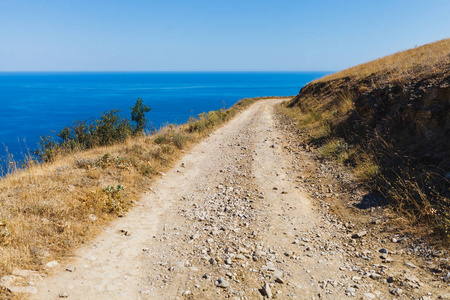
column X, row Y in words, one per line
column 247, row 213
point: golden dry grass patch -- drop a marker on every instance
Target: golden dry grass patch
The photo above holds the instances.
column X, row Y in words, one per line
column 429, row 58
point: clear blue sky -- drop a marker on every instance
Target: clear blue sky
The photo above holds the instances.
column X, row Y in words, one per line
column 212, row 35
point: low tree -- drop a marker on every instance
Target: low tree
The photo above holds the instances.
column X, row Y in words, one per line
column 138, row 116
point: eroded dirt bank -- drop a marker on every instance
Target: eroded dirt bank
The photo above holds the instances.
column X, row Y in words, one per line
column 240, row 216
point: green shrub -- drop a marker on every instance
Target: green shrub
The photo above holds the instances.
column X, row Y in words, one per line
column 138, row 116
column 111, row 128
column 160, row 139
column 114, row 200
column 47, row 148
column 147, row 170
column 179, row 140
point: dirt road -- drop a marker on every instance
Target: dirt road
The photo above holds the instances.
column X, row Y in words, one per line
column 230, row 220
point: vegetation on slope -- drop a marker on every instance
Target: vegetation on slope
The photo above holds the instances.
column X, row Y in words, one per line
column 389, row 120
column 47, row 209
column 110, row 129
column 417, row 62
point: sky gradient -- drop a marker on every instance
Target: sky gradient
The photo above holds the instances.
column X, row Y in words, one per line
column 212, row 35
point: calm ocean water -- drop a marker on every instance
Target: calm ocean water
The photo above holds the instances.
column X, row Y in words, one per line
column 34, row 104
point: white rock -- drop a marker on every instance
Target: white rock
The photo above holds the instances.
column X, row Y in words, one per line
column 70, row 269
column 408, row 264
column 396, row 291
column 51, row 264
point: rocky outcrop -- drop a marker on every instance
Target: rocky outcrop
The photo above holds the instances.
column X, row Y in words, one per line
column 413, row 118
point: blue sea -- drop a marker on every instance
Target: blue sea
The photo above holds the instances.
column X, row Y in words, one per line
column 36, row 104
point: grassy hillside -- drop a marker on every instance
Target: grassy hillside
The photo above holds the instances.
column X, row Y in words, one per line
column 419, row 61
column 389, row 120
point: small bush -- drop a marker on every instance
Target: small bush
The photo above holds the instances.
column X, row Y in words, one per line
column 160, row 139
column 103, row 162
column 336, row 148
column 179, row 140
column 147, row 170
column 114, row 201
column 167, row 149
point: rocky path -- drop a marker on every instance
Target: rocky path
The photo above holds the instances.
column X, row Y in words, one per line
column 234, row 220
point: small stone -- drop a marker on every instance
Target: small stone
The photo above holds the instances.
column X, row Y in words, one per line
column 375, row 276
column 63, row 295
column 359, row 234
column 384, row 250
column 390, row 279
column 408, row 264
column 240, row 257
column 266, row 290
column 222, row 283
column 70, row 269
column 51, row 264
column 369, row 296
column 125, row 232
column 288, row 253
column 186, row 293
column 279, row 280
column 396, row 291
column 277, row 273
column 244, row 250
column 212, row 261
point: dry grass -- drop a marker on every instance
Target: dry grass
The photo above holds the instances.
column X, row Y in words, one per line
column 361, row 161
column 416, row 206
column 48, row 209
column 426, row 59
column 341, row 113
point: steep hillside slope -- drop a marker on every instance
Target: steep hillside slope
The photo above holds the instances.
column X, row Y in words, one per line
column 390, row 118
